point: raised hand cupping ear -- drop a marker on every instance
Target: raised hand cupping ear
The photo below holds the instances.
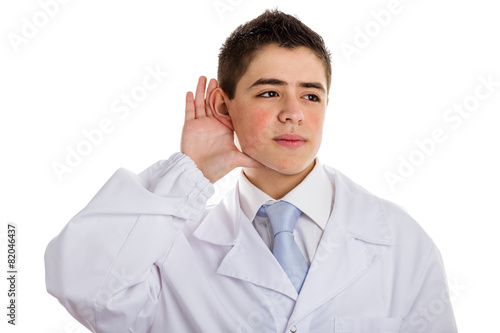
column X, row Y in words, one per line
column 207, row 140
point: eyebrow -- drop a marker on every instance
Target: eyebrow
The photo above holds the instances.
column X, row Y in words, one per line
column 277, row 82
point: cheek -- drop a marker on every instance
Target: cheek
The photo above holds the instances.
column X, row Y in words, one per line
column 253, row 130
column 316, row 123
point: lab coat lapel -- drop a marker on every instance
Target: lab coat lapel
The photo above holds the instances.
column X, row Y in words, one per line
column 345, row 252
column 248, row 259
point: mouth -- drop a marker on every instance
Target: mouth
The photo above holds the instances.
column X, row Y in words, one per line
column 290, row 140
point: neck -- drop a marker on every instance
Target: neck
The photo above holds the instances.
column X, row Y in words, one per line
column 274, row 183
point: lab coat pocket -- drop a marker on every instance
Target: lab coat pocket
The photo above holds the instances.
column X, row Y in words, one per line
column 367, row 325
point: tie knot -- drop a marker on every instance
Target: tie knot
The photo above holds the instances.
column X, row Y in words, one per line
column 282, row 215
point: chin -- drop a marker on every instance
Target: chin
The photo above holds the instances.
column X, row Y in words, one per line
column 282, row 162
column 289, row 167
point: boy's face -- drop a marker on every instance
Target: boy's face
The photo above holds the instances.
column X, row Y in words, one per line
column 279, row 108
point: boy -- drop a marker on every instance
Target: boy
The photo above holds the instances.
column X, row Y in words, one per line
column 295, row 247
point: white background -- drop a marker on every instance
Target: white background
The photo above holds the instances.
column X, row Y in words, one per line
column 395, row 90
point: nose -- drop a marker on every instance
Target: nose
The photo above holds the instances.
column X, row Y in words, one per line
column 291, row 111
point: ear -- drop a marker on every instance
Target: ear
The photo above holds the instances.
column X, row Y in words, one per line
column 219, row 102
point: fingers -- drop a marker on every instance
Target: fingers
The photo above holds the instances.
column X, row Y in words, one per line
column 199, row 100
column 211, row 86
column 198, row 106
column 190, row 113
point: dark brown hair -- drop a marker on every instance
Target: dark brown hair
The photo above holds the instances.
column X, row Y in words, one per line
column 272, row 27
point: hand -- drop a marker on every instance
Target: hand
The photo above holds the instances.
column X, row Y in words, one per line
column 207, row 141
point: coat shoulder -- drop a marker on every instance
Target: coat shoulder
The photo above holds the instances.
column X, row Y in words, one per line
column 403, row 227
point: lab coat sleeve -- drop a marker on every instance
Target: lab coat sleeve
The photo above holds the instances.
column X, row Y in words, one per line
column 103, row 266
column 431, row 311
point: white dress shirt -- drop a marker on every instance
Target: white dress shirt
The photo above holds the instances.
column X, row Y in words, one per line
column 313, row 196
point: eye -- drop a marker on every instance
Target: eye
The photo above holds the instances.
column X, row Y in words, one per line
column 268, row 94
column 312, row 98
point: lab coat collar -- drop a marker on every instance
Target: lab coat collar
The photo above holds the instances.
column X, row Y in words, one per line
column 346, row 250
column 368, row 222
column 349, row 247
column 365, row 216
column 222, row 223
column 249, row 259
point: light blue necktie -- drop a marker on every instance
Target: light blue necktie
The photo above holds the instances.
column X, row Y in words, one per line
column 283, row 217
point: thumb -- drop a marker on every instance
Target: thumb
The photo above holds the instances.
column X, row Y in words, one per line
column 246, row 161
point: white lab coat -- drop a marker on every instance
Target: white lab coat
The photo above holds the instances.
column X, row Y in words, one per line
column 146, row 255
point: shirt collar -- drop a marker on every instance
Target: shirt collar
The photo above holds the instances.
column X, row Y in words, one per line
column 313, row 196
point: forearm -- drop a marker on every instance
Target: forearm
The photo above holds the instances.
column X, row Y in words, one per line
column 105, row 257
